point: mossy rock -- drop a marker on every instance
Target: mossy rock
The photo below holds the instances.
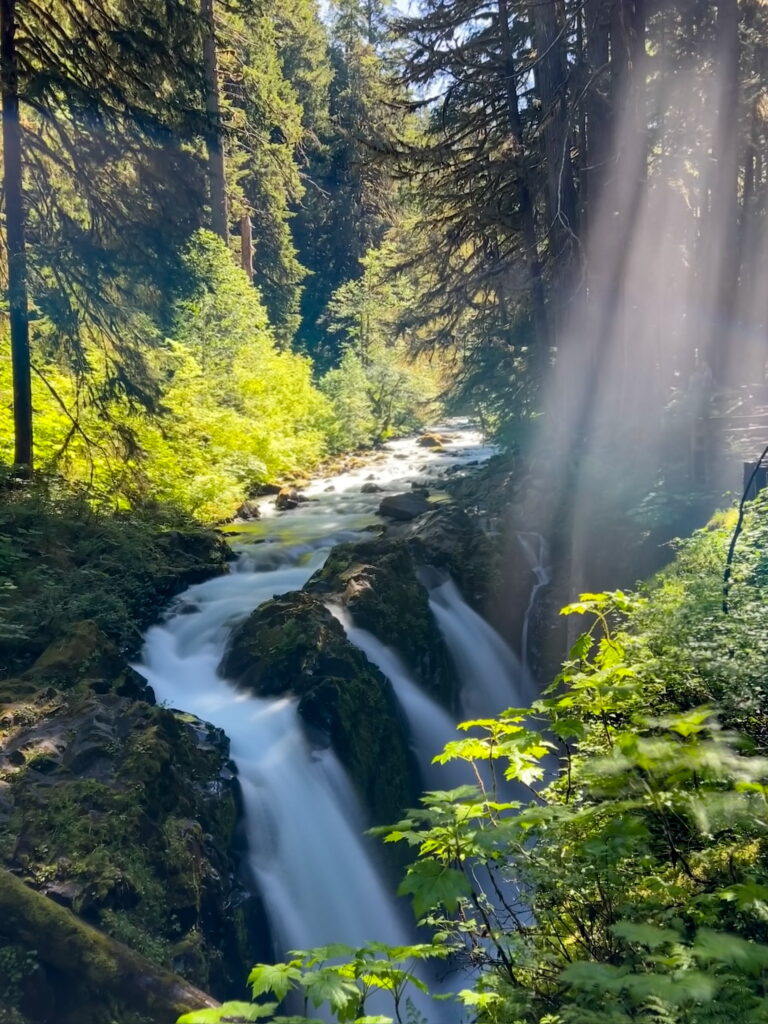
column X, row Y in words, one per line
column 378, row 581
column 86, row 656
column 449, row 539
column 126, row 814
column 293, row 646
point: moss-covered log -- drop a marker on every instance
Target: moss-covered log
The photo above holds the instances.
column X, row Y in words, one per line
column 91, row 958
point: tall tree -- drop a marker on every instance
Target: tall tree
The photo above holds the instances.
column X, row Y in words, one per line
column 15, row 241
column 101, row 179
column 215, row 143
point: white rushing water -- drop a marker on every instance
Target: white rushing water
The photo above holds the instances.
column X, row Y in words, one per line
column 317, row 875
column 535, row 548
column 430, row 725
column 492, row 676
column 315, row 872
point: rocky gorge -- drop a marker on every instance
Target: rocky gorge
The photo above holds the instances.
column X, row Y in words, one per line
column 162, row 826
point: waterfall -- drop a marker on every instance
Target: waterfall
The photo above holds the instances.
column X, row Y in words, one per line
column 535, row 548
column 492, row 677
column 315, row 871
column 431, row 726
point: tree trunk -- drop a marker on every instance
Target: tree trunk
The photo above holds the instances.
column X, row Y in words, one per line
column 72, row 947
column 14, row 238
column 597, row 14
column 551, row 86
column 246, row 245
column 527, row 212
column 215, row 143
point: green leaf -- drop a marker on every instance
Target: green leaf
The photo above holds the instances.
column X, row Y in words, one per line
column 433, row 885
column 276, row 978
column 230, row 1013
column 328, row 985
column 730, row 949
column 645, row 934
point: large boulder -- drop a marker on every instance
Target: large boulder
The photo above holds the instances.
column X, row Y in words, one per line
column 288, row 498
column 250, row 509
column 404, row 507
column 293, row 646
column 431, row 441
column 378, row 581
column 126, row 813
column 85, row 657
column 448, row 539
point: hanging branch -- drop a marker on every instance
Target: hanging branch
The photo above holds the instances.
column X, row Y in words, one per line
column 737, row 531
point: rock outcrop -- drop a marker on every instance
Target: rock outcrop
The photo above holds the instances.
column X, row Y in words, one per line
column 293, row 646
column 126, row 814
column 404, row 507
column 378, row 581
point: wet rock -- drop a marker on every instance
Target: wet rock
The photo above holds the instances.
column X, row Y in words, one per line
column 134, row 816
column 435, row 441
column 378, row 582
column 289, row 498
column 249, row 510
column 449, row 539
column 292, row 645
column 66, row 892
column 404, row 506
column 263, row 490
column 371, row 488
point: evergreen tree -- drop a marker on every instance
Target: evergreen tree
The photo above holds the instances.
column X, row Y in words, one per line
column 95, row 214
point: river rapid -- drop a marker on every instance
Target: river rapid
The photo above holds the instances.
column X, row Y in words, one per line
column 316, row 872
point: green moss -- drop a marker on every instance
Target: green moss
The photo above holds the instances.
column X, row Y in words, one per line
column 131, row 827
column 66, row 562
column 293, row 645
column 378, row 582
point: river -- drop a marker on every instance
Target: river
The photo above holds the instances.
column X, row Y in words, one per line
column 316, row 872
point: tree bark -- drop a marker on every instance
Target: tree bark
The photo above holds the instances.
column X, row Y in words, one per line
column 14, row 238
column 216, row 179
column 83, row 953
column 246, row 245
column 551, row 86
column 597, row 14
column 527, row 211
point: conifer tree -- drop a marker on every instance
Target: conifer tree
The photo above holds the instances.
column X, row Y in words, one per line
column 101, row 101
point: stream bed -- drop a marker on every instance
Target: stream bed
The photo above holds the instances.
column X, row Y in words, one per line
column 316, row 871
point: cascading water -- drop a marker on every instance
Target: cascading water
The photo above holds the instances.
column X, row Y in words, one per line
column 492, row 677
column 316, row 874
column 535, row 548
column 293, row 796
column 431, row 726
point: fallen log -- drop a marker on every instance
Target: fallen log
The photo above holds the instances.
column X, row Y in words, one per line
column 86, row 955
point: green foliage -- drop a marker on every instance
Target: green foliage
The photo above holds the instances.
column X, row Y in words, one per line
column 65, row 560
column 379, row 388
column 629, row 884
column 237, row 409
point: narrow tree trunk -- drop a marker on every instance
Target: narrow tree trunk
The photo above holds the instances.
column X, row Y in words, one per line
column 246, row 245
column 14, row 238
column 527, row 212
column 216, row 179
column 551, row 87
column 597, row 14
